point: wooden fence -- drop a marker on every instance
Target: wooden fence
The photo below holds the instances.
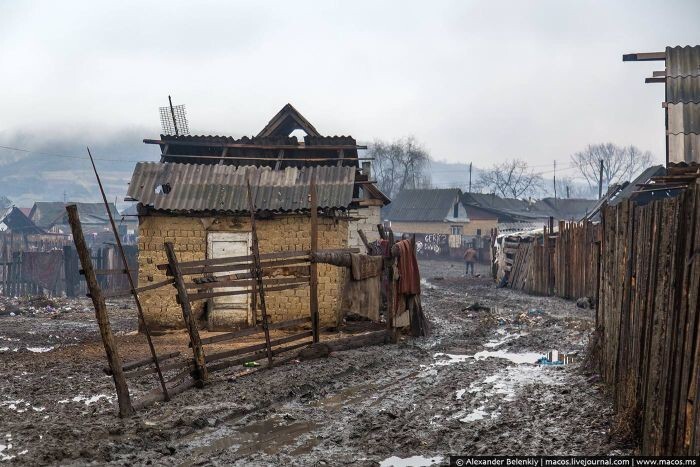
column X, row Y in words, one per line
column 564, row 263
column 649, row 322
column 641, row 265
column 57, row 272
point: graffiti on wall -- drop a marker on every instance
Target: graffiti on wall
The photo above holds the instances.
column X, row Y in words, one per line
column 432, row 245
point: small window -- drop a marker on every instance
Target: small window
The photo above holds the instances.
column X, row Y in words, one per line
column 455, row 210
column 478, row 232
column 456, row 230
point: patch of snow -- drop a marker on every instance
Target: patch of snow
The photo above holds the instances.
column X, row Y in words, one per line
column 413, row 461
column 449, row 359
column 90, row 400
column 519, row 358
column 506, row 338
column 476, row 414
column 39, row 349
column 460, row 393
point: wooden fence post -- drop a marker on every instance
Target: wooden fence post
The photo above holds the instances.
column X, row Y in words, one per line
column 391, row 294
column 113, row 358
column 313, row 281
column 192, row 329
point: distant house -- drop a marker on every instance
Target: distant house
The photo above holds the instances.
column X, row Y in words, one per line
column 519, row 214
column 442, row 223
column 51, row 217
column 15, row 220
column 19, row 233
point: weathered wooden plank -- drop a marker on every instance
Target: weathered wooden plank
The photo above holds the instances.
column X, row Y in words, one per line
column 188, row 316
column 215, row 284
column 254, row 330
column 197, row 270
column 252, row 348
column 143, row 362
column 204, row 295
column 127, row 293
column 313, row 282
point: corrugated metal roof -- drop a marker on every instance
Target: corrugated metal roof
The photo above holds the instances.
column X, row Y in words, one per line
column 644, row 177
column 684, row 148
column 197, row 187
column 683, row 118
column 430, row 205
column 683, row 103
column 683, row 61
column 683, row 89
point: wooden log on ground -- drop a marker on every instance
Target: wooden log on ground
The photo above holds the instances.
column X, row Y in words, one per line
column 156, row 395
column 254, row 330
column 361, row 340
column 139, row 363
column 257, row 356
column 252, row 348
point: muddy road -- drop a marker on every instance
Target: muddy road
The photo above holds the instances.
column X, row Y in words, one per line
column 472, row 387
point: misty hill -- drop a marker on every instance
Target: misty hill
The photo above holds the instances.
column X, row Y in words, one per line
column 44, row 176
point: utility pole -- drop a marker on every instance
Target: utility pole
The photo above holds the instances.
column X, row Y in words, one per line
column 555, row 179
column 600, row 181
column 470, row 177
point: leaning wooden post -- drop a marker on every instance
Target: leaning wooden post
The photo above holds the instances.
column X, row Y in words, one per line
column 391, row 293
column 115, row 362
column 313, row 269
column 192, row 329
column 132, row 285
column 258, row 274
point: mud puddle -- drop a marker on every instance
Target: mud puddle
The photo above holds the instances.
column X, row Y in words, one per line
column 267, row 436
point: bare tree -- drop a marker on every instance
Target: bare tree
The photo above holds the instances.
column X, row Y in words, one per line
column 567, row 187
column 510, row 179
column 619, row 163
column 401, row 164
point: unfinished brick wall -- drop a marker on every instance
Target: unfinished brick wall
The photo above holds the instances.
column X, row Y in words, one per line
column 366, row 219
column 284, row 233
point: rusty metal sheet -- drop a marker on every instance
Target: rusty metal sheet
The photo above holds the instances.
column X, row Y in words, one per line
column 199, row 187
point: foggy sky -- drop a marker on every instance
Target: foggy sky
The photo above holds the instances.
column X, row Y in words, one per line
column 474, row 81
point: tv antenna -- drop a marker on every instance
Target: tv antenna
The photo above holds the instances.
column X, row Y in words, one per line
column 173, row 119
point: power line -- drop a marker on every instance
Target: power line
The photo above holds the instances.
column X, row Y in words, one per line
column 68, row 156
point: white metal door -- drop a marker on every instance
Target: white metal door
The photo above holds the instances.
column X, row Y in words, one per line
column 231, row 309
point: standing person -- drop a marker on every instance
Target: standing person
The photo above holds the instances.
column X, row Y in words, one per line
column 469, row 258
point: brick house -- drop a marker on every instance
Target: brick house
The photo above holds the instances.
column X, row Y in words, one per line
column 196, row 197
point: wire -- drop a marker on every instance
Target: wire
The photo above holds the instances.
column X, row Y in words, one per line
column 69, row 156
